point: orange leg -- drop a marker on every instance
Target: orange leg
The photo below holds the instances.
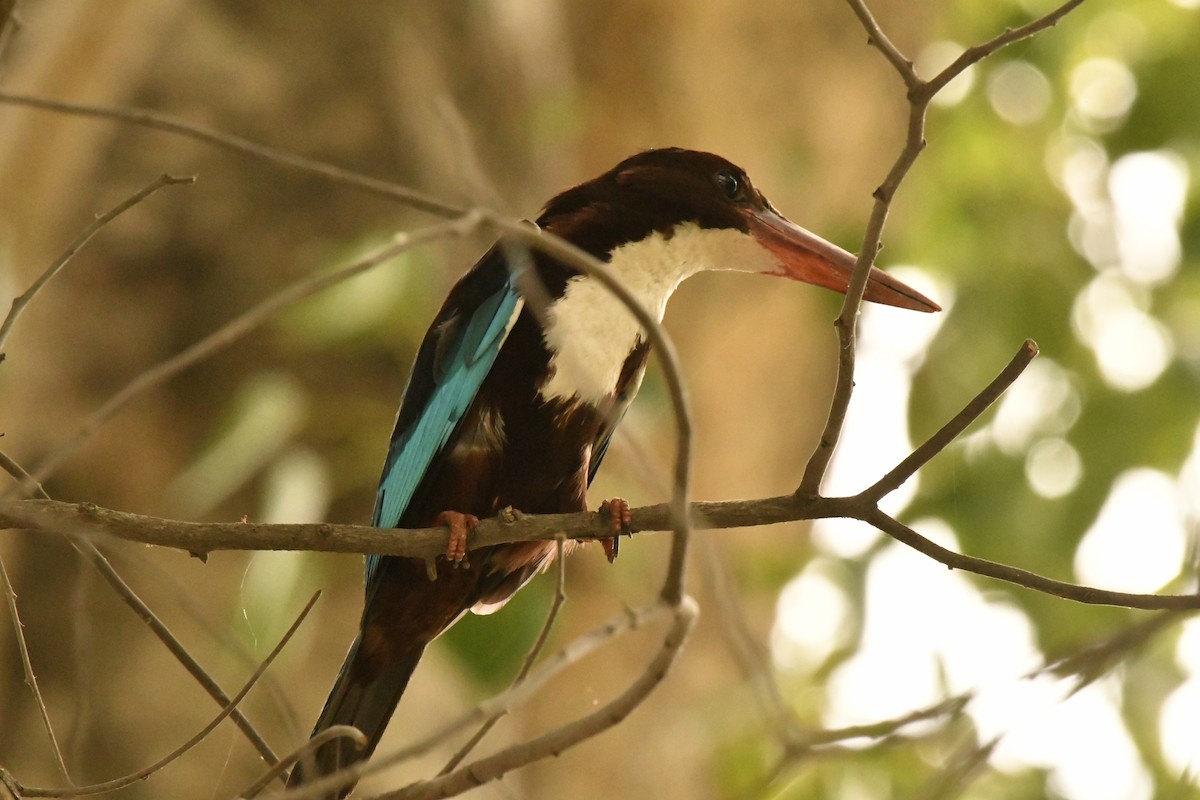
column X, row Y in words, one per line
column 460, row 526
column 620, row 522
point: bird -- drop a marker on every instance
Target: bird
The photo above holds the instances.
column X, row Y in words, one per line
column 512, row 402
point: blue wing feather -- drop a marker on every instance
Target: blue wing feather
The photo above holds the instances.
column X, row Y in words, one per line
column 463, row 364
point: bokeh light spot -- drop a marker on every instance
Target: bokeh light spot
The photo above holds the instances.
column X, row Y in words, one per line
column 1138, row 541
column 812, row 619
column 1148, row 191
column 1019, row 92
column 1103, row 91
column 1053, row 467
column 1132, row 348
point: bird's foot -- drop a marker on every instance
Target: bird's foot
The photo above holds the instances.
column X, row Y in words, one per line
column 619, row 520
column 460, row 526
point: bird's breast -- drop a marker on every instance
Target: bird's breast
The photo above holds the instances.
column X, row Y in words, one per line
column 591, row 334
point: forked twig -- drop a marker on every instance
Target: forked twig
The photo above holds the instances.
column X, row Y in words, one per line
column 21, row 301
column 920, row 93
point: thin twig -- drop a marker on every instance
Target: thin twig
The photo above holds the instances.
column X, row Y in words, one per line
column 560, row 596
column 30, row 677
column 237, row 328
column 146, row 772
column 94, row 557
column 16, row 471
column 310, row 745
column 1030, row 580
column 572, row 653
column 954, row 428
column 956, row 775
column 98, row 224
column 879, row 40
column 973, row 55
column 1091, row 662
column 951, row 707
column 824, row 743
column 165, row 122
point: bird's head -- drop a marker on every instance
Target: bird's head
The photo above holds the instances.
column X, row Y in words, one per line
column 689, row 211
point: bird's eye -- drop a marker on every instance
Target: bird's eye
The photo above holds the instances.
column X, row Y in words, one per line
column 729, row 185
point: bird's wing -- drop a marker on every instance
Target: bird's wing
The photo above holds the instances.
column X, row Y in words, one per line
column 630, row 381
column 451, row 365
column 601, row 447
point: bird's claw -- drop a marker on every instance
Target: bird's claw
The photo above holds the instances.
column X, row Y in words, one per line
column 620, row 522
column 460, row 526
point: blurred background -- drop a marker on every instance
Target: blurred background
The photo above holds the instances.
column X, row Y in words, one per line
column 1054, row 202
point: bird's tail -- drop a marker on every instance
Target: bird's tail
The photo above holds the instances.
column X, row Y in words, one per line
column 364, row 696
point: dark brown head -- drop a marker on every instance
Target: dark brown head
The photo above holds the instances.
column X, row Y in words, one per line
column 690, row 211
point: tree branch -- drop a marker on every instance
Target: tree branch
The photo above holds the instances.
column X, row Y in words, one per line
column 513, row 526
column 165, row 122
column 235, row 330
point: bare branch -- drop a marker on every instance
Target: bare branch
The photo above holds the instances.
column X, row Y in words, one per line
column 879, row 40
column 954, row 428
column 310, row 745
column 236, row 144
column 22, row 300
column 237, row 328
column 514, row 527
column 31, row 677
column 975, row 54
column 142, row 774
column 919, row 96
column 1030, row 580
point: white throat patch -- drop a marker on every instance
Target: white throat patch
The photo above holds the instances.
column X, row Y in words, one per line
column 591, row 333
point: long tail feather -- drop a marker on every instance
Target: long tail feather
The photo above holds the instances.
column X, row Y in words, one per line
column 365, row 697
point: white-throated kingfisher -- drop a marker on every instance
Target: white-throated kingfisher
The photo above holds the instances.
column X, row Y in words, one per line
column 508, row 407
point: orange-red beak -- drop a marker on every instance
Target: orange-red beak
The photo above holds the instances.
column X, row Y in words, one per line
column 809, row 258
